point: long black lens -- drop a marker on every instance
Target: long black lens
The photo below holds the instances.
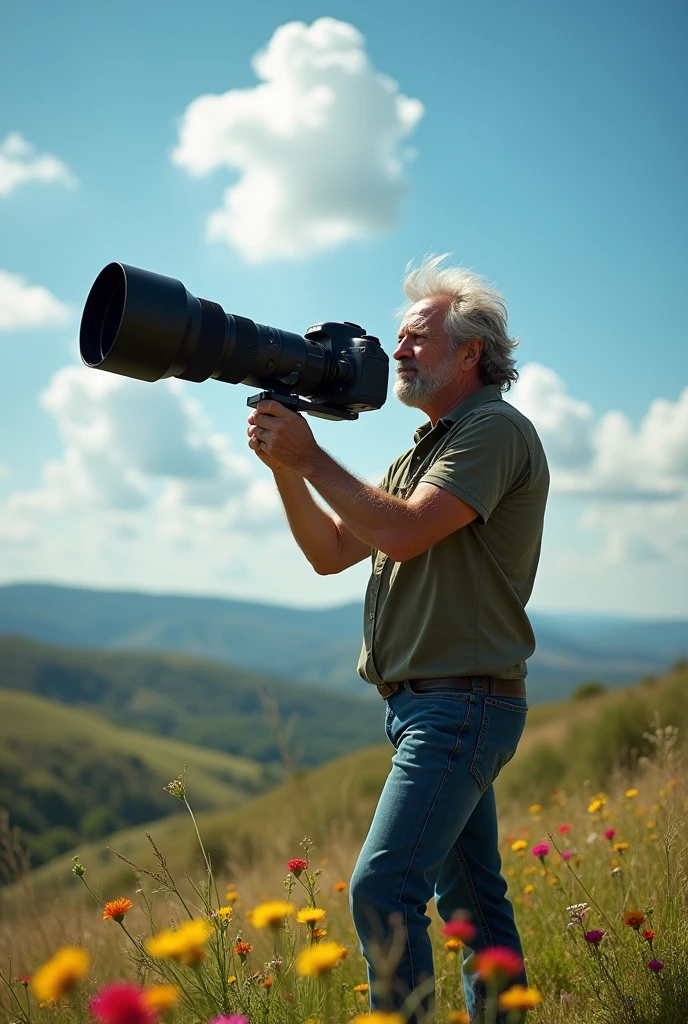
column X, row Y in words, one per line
column 147, row 326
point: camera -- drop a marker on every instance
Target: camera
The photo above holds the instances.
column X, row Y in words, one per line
column 148, row 326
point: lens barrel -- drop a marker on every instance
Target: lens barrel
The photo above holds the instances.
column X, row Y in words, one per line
column 148, row 326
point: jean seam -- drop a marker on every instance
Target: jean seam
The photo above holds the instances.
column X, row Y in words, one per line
column 477, row 909
column 465, row 722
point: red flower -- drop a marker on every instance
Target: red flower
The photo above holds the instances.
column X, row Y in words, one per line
column 121, row 1003
column 297, row 865
column 648, row 935
column 633, row 918
column 498, row 964
column 564, row 828
column 459, row 928
column 609, row 834
column 26, row 979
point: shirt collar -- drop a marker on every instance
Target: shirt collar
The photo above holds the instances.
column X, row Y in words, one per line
column 488, row 393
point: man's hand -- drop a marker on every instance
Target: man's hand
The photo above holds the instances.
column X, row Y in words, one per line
column 280, row 437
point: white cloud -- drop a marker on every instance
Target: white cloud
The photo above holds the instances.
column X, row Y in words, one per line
column 607, row 457
column 20, row 162
column 316, row 145
column 27, row 305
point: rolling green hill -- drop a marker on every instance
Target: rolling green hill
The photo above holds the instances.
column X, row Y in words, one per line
column 68, row 775
column 566, row 745
column 195, row 700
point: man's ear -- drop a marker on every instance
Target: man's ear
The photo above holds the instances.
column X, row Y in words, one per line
column 471, row 351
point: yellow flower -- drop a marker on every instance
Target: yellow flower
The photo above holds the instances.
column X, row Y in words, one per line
column 453, row 944
column 595, row 805
column 630, row 793
column 272, row 914
column 518, row 844
column 518, row 997
column 363, row 988
column 458, row 1017
column 378, row 1017
column 231, row 895
column 553, row 880
column 184, row 945
column 116, row 909
column 309, row 915
column 59, row 975
column 652, row 837
column 650, row 824
column 231, row 979
column 161, row 998
column 620, row 847
column 225, row 913
column 534, row 809
column 528, row 889
column 320, row 959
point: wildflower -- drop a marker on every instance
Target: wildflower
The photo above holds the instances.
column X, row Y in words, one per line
column 656, row 966
column 378, row 1017
column 121, row 1003
column 563, row 829
column 272, row 915
column 320, row 959
column 319, row 933
column 528, row 889
column 458, row 1017
column 652, row 838
column 177, row 787
column 339, row 886
column 453, row 945
column 116, row 909
column 592, row 838
column 519, row 998
column 59, row 975
column 519, row 844
column 184, row 945
column 266, row 983
column 620, row 847
column 25, row 979
column 161, row 998
column 460, row 928
column 297, row 865
column 566, row 854
column 577, row 911
column 648, row 935
column 78, row 868
column 498, row 964
column 231, row 980
column 534, row 809
column 541, row 851
column 234, row 1018
column 553, row 880
column 362, row 988
column 595, row 805
column 609, row 834
column 231, row 895
column 225, row 914
column 593, row 937
column 309, row 915
column 633, row 918
column 242, row 949
column 630, row 793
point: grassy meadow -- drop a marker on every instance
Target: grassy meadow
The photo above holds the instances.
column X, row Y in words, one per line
column 597, row 788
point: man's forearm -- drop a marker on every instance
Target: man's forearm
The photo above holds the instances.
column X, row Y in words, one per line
column 313, row 529
column 376, row 518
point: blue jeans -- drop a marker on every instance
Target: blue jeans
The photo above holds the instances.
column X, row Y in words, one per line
column 434, row 832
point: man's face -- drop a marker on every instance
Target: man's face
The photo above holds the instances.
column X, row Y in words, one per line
column 425, row 361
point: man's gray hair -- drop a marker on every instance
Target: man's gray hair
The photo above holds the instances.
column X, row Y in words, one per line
column 476, row 311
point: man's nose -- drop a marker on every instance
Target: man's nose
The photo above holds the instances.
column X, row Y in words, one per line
column 404, row 350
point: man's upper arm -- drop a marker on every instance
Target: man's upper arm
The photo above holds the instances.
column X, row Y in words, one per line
column 477, row 467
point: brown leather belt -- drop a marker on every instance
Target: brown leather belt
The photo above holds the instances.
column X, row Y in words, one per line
column 476, row 684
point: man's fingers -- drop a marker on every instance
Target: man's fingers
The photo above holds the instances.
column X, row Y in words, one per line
column 266, row 421
column 272, row 408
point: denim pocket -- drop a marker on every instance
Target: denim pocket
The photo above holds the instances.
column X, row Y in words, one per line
column 500, row 731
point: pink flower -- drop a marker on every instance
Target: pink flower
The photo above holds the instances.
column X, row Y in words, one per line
column 564, row 829
column 297, row 865
column 609, row 834
column 121, row 1003
column 566, row 854
column 541, row 851
column 656, row 966
column 594, row 937
column 461, row 929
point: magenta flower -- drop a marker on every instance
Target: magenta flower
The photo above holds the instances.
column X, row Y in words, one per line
column 541, row 851
column 297, row 865
column 121, row 1003
column 235, row 1018
column 594, row 937
column 609, row 834
column 566, row 854
column 656, row 966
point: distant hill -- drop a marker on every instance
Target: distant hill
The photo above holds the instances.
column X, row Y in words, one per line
column 67, row 775
column 195, row 700
column 320, row 646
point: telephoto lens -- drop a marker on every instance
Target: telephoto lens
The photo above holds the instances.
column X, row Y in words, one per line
column 148, row 327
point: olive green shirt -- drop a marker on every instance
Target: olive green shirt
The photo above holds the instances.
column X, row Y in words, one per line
column 458, row 609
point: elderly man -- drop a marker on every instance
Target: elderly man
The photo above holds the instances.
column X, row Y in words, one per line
column 454, row 533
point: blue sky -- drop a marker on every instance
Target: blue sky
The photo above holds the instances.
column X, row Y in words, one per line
column 546, row 155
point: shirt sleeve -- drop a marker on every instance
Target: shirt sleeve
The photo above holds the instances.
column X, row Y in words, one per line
column 482, row 461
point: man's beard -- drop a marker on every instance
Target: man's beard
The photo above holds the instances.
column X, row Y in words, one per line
column 424, row 383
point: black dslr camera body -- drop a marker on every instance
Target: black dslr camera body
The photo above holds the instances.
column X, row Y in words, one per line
column 147, row 326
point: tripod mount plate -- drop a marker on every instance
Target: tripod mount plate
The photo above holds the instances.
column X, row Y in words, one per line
column 297, row 404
